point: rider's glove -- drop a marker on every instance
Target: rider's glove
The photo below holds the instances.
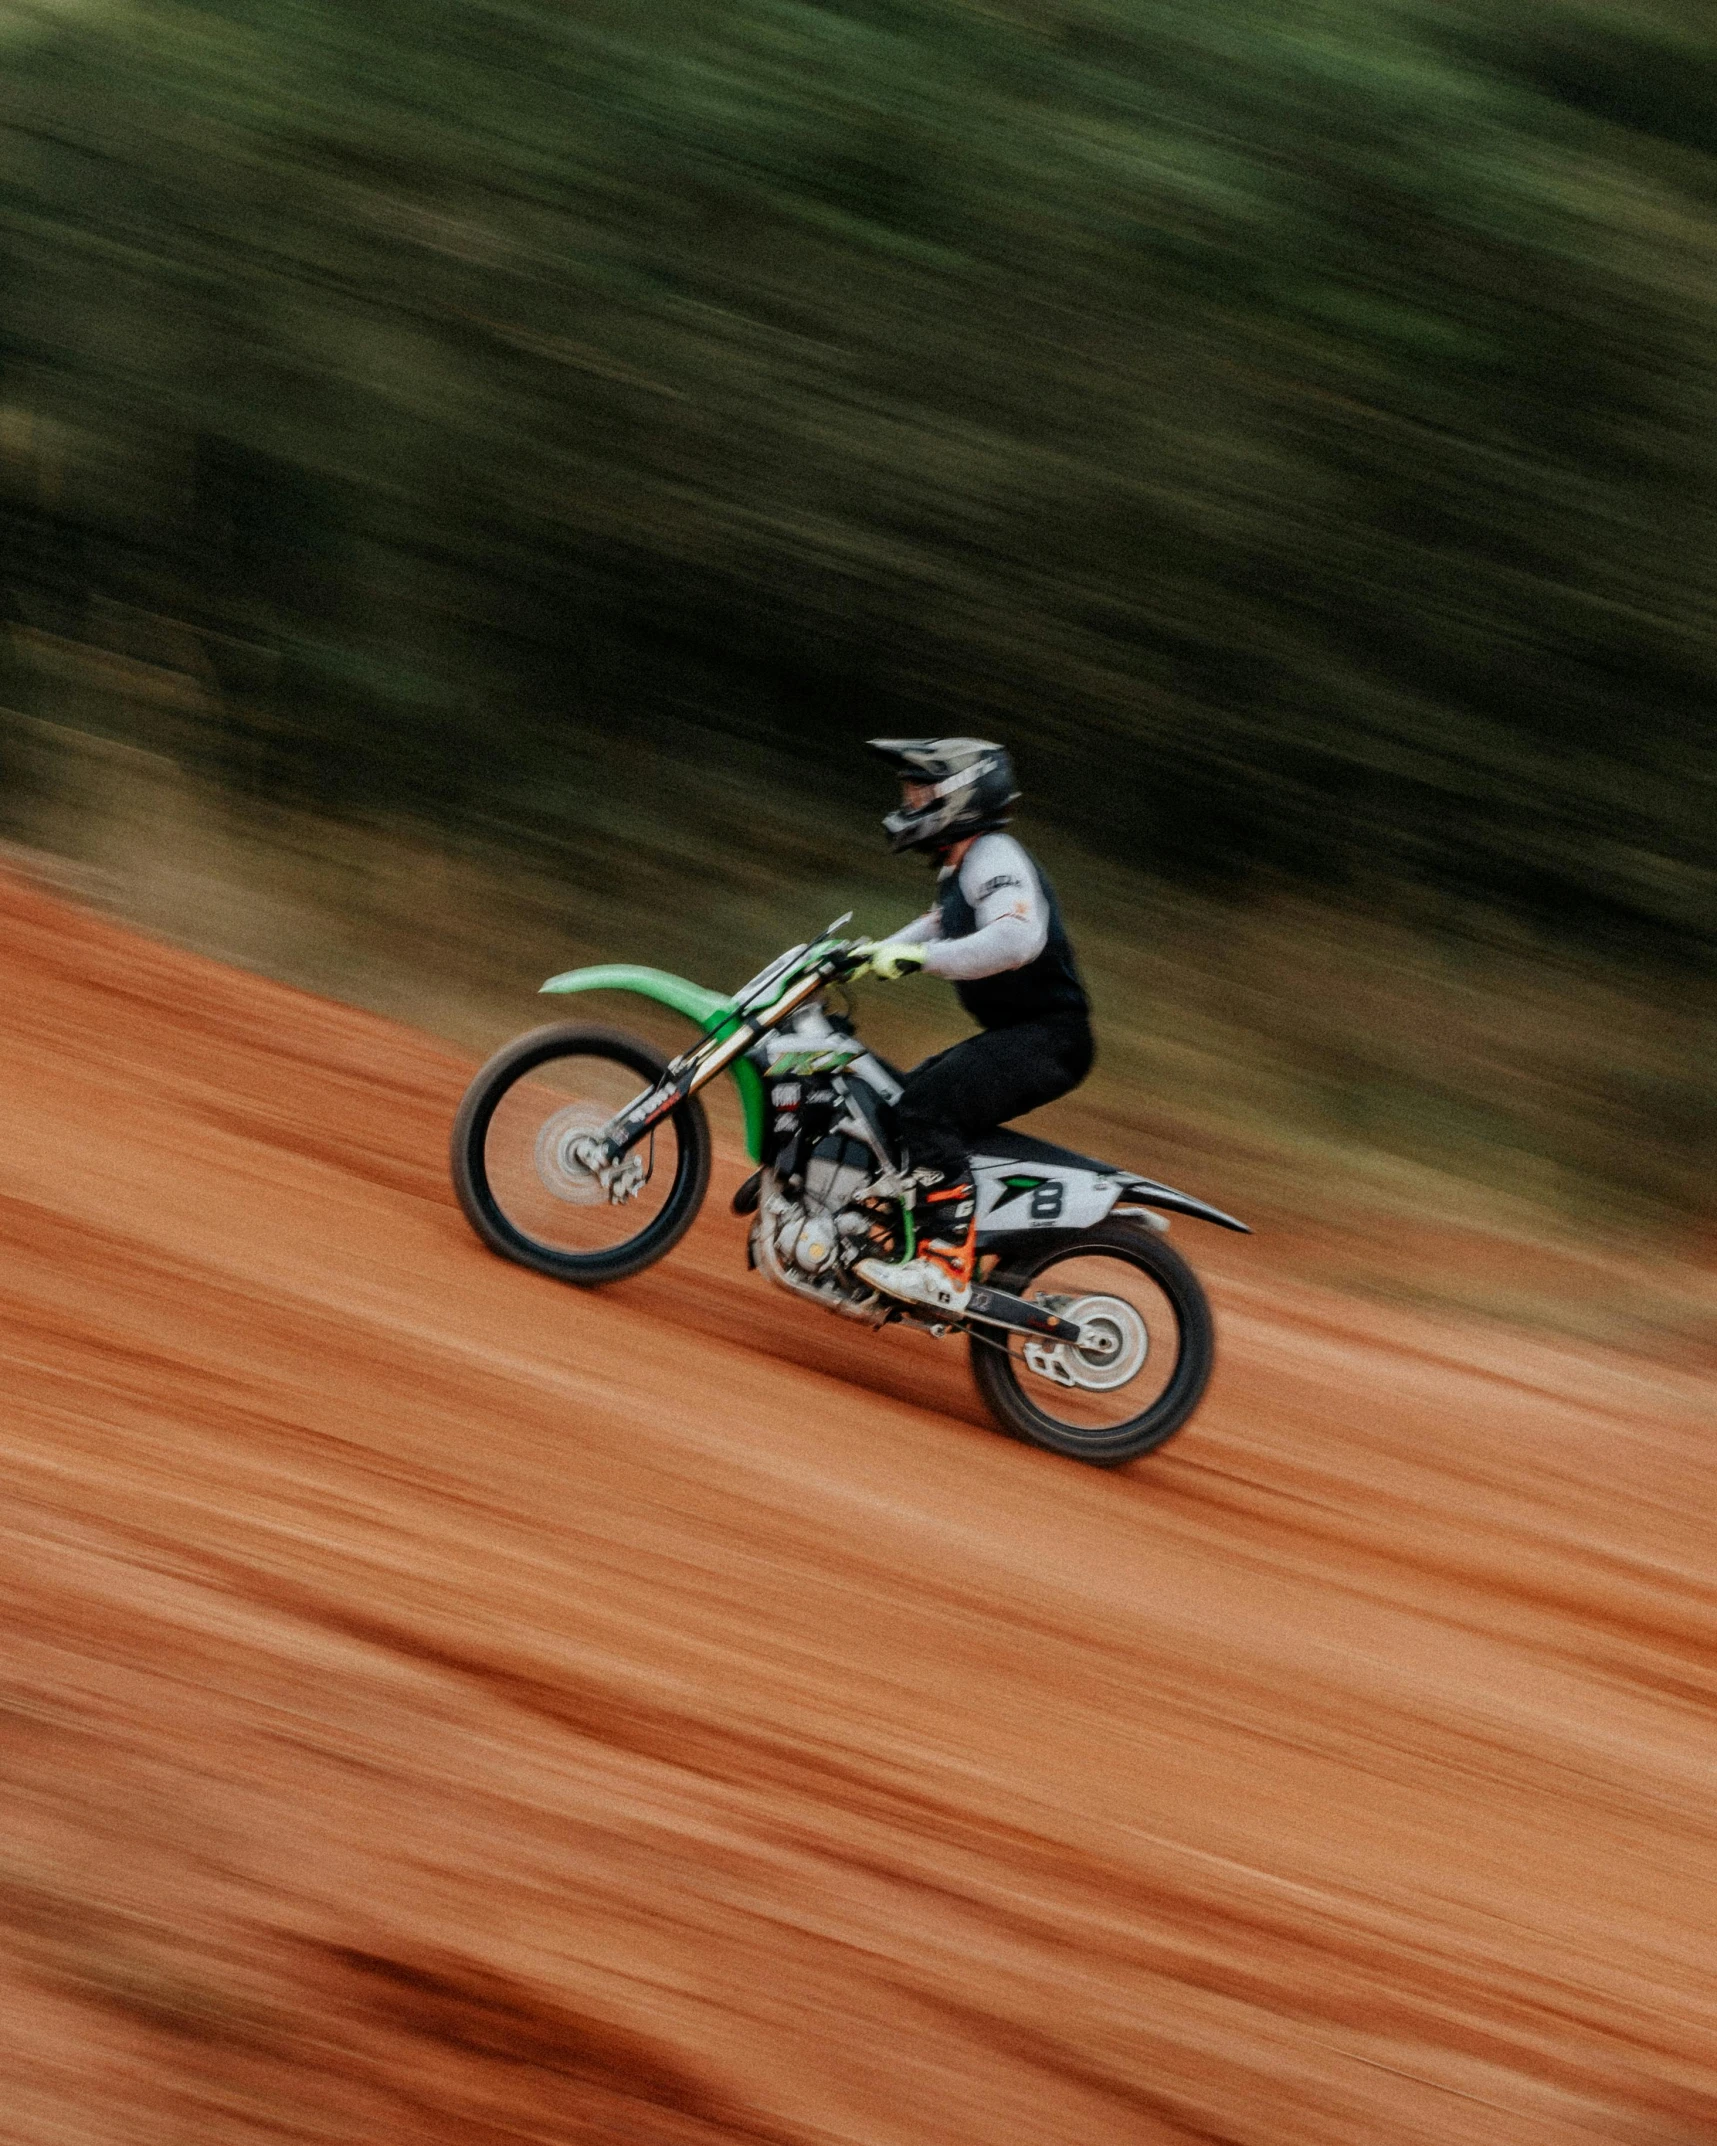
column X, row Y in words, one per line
column 891, row 961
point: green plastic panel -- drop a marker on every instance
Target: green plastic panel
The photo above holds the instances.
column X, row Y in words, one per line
column 692, row 1000
column 709, row 1009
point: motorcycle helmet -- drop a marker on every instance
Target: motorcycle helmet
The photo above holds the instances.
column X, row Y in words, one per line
column 971, row 785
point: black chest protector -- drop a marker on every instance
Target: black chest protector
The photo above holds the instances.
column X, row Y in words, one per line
column 1047, row 989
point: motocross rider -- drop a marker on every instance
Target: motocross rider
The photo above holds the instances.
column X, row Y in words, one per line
column 995, row 933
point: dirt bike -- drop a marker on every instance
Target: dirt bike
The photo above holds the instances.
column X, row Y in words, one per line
column 1088, row 1334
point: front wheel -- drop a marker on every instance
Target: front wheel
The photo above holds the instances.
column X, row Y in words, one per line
column 1144, row 1356
column 522, row 1187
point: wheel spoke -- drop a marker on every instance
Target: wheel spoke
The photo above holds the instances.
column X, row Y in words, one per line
column 534, row 1175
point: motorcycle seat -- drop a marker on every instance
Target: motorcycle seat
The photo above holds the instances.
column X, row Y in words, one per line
column 1000, row 1144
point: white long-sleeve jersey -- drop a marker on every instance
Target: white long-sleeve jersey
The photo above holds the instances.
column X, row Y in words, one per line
column 1011, row 915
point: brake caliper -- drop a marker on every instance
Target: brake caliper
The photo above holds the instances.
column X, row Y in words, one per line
column 622, row 1180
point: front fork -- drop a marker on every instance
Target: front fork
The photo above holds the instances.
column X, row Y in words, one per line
column 608, row 1155
column 611, row 1156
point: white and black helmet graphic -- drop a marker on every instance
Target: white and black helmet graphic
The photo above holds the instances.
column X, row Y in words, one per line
column 971, row 781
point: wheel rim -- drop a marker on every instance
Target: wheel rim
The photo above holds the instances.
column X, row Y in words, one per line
column 539, row 1189
column 1131, row 1347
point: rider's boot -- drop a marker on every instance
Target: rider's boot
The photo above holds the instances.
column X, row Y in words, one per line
column 939, row 1275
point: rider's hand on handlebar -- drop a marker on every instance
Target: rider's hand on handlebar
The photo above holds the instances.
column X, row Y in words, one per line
column 889, row 961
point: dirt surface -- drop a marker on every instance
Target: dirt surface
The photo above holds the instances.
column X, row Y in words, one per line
column 439, row 1706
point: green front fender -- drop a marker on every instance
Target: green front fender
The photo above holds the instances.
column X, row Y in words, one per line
column 711, row 1010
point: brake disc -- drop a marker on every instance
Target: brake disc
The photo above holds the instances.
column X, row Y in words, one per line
column 557, row 1164
column 1113, row 1344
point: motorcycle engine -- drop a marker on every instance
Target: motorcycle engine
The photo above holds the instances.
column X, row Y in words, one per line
column 821, row 1228
column 838, row 1170
column 808, row 1238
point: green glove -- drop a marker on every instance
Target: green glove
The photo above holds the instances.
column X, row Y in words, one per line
column 889, row 963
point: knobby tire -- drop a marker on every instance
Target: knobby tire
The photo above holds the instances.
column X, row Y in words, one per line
column 997, row 1374
column 613, row 1263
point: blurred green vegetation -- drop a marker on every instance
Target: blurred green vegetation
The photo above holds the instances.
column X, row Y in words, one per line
column 1292, row 424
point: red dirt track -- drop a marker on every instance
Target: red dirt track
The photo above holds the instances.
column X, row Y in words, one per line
column 442, row 1707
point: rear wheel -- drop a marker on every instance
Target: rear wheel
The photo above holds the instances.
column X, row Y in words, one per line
column 1144, row 1357
column 523, row 1189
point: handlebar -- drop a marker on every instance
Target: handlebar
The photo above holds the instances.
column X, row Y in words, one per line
column 849, row 955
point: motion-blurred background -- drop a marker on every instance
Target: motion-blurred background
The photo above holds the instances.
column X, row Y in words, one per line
column 472, row 474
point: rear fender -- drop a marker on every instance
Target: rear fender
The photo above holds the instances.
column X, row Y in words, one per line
column 711, row 1010
column 1136, row 1192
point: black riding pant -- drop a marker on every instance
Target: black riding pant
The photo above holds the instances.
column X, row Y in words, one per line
column 985, row 1081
